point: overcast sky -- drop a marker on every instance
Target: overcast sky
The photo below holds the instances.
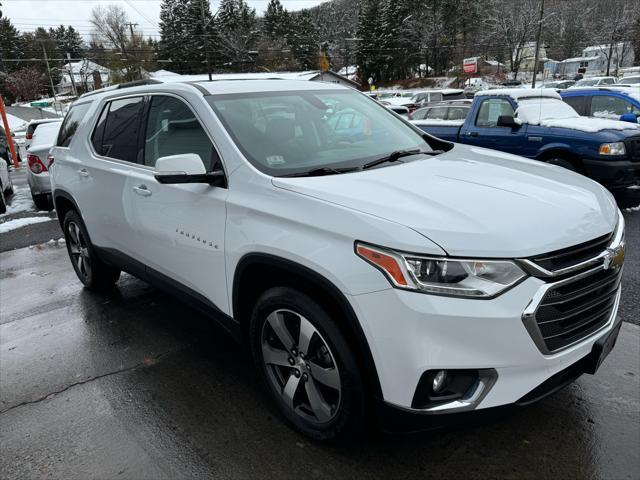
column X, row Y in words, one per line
column 30, row 14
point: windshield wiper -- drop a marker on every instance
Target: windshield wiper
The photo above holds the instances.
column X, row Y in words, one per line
column 398, row 154
column 316, row 172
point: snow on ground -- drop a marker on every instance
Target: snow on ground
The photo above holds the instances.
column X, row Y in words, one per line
column 22, row 222
column 21, row 201
column 15, row 122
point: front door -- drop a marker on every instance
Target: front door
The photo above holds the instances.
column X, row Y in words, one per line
column 179, row 229
column 485, row 132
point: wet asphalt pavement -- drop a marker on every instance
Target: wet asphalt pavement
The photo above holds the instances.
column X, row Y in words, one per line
column 135, row 385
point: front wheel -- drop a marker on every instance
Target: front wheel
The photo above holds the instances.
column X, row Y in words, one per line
column 42, row 202
column 306, row 365
column 91, row 271
column 563, row 162
column 3, row 201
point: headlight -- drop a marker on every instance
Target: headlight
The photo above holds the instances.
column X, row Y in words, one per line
column 442, row 275
column 616, row 148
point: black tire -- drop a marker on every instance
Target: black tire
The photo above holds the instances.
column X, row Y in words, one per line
column 3, row 201
column 342, row 416
column 9, row 191
column 563, row 162
column 91, row 271
column 43, row 202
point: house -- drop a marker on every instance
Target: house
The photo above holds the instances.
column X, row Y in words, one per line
column 309, row 75
column 84, row 76
column 528, row 56
column 594, row 60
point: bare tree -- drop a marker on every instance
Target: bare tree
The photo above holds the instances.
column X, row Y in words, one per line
column 26, row 83
column 615, row 25
column 513, row 24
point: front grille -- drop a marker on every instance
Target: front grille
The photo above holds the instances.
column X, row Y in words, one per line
column 632, row 145
column 575, row 309
column 568, row 257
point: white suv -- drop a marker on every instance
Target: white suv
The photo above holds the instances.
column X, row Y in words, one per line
column 375, row 271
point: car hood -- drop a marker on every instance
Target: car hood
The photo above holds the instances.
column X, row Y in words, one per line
column 475, row 202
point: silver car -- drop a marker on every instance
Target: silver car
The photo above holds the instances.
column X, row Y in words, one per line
column 38, row 158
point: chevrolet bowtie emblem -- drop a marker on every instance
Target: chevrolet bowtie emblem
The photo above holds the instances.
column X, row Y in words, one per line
column 614, row 257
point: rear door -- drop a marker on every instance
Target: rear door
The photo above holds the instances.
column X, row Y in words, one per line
column 115, row 149
column 484, row 131
column 178, row 229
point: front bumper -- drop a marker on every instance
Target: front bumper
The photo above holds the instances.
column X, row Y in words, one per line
column 40, row 183
column 613, row 174
column 410, row 333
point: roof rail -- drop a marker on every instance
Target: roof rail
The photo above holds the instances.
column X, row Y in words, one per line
column 135, row 83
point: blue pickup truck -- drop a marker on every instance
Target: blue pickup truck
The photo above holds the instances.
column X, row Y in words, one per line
column 537, row 124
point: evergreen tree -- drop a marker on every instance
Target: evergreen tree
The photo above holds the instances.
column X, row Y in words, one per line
column 304, row 41
column 11, row 45
column 370, row 32
column 275, row 23
column 174, row 36
column 68, row 40
column 236, row 32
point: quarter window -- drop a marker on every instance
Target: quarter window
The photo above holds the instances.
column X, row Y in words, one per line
column 491, row 109
column 116, row 134
column 607, row 106
column 173, row 129
column 70, row 124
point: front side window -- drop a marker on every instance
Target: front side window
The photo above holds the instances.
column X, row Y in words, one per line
column 491, row 109
column 173, row 129
column 116, row 133
column 288, row 133
column 607, row 106
column 438, row 113
column 420, row 114
column 70, row 124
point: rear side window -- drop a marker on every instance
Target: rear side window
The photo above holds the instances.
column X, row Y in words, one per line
column 608, row 106
column 116, row 133
column 173, row 129
column 70, row 124
column 576, row 102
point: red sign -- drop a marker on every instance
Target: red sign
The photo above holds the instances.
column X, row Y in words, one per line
column 470, row 65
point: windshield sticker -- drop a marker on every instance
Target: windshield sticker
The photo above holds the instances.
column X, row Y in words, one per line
column 275, row 160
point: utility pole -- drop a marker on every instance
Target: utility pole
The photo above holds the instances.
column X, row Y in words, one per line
column 133, row 44
column 535, row 60
column 71, row 75
column 46, row 59
column 206, row 38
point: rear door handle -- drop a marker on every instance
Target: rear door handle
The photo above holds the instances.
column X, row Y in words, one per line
column 142, row 190
column 83, row 172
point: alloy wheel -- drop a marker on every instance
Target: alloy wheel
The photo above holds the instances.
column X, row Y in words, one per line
column 78, row 249
column 301, row 366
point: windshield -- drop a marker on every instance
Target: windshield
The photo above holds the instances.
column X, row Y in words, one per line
column 533, row 110
column 285, row 133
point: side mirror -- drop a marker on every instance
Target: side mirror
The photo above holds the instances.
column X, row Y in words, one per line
column 507, row 121
column 186, row 168
column 629, row 117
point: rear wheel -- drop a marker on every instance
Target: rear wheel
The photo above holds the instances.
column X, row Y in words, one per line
column 42, row 202
column 91, row 271
column 307, row 366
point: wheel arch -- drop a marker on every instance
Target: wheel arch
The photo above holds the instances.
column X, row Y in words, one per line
column 560, row 151
column 63, row 202
column 248, row 284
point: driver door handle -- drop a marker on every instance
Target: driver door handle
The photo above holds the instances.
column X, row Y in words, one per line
column 473, row 134
column 142, row 190
column 83, row 172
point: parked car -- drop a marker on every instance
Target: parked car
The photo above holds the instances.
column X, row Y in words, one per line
column 630, row 80
column 535, row 123
column 559, row 84
column 32, row 127
column 610, row 102
column 401, row 110
column 6, row 186
column 594, row 82
column 398, row 278
column 426, row 97
column 512, row 83
column 5, row 150
column 456, row 110
column 39, row 163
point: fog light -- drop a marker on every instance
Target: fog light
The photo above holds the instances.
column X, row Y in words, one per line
column 439, row 381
